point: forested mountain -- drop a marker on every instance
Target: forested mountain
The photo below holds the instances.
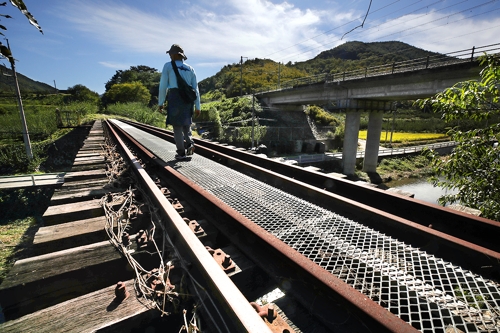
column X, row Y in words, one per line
column 258, row 73
column 26, row 85
column 356, row 55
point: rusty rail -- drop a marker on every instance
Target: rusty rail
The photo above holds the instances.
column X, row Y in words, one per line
column 237, row 311
column 268, row 250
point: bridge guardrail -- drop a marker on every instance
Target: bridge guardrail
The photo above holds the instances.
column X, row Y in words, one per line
column 439, row 60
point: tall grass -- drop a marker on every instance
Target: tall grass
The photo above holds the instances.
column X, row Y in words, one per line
column 138, row 112
column 42, row 129
column 41, row 120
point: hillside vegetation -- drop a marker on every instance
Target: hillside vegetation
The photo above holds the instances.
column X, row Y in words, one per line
column 235, row 79
column 357, row 55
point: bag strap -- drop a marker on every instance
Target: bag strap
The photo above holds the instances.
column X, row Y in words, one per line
column 179, row 77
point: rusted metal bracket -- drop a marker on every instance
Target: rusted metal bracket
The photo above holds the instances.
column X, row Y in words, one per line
column 142, row 239
column 223, row 259
column 195, row 227
column 272, row 318
column 121, row 292
column 177, row 205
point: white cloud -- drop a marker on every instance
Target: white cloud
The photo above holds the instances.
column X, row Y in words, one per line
column 253, row 28
column 215, row 32
column 114, row 65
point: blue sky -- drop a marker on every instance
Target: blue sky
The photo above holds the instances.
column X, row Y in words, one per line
column 87, row 41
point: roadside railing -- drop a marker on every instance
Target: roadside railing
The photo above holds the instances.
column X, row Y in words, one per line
column 315, row 158
column 434, row 61
column 409, row 150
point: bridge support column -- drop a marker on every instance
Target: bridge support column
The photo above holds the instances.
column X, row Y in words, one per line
column 350, row 149
column 373, row 141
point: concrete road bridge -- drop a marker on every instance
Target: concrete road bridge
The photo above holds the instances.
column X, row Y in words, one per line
column 375, row 90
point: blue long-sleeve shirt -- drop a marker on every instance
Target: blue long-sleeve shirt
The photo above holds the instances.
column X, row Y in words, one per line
column 168, row 80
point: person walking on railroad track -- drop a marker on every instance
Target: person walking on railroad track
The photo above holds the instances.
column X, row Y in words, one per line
column 179, row 106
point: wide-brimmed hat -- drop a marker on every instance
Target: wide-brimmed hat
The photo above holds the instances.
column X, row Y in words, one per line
column 176, row 49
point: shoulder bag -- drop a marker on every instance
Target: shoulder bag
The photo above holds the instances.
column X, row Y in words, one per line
column 188, row 94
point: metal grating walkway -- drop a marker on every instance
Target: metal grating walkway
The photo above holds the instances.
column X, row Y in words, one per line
column 429, row 293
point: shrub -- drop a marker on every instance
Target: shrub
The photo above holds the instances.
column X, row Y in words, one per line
column 126, row 93
column 321, row 117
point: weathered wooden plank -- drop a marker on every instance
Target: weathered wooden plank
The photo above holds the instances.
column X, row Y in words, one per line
column 87, row 313
column 92, row 146
column 45, row 266
column 88, row 154
column 42, row 281
column 84, row 175
column 95, row 140
column 89, row 160
column 88, row 166
column 59, row 198
column 72, row 211
column 67, row 235
column 82, row 232
column 83, row 184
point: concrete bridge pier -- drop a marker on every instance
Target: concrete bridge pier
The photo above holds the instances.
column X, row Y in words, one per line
column 373, row 141
column 350, row 149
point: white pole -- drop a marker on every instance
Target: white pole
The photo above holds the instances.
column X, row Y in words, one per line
column 26, row 136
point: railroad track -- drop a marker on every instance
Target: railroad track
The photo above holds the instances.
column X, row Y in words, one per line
column 199, row 244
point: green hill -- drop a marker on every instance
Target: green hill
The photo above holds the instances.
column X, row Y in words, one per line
column 26, row 85
column 355, row 55
column 257, row 73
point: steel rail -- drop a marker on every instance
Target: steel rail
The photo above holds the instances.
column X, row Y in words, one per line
column 239, row 314
column 456, row 250
column 471, row 229
column 323, row 293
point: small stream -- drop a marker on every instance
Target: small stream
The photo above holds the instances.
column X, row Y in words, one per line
column 422, row 189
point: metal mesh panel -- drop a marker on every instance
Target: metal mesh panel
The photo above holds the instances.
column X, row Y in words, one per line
column 427, row 292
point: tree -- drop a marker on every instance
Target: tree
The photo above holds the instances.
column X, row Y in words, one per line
column 80, row 93
column 127, row 92
column 148, row 76
column 473, row 168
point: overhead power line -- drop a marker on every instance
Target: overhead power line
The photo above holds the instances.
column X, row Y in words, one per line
column 362, row 24
column 419, row 25
column 324, row 33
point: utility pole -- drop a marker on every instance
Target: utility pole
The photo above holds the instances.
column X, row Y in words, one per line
column 253, row 118
column 279, row 75
column 26, row 136
column 241, row 75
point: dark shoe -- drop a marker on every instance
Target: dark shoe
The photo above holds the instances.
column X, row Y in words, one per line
column 190, row 150
column 180, row 157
